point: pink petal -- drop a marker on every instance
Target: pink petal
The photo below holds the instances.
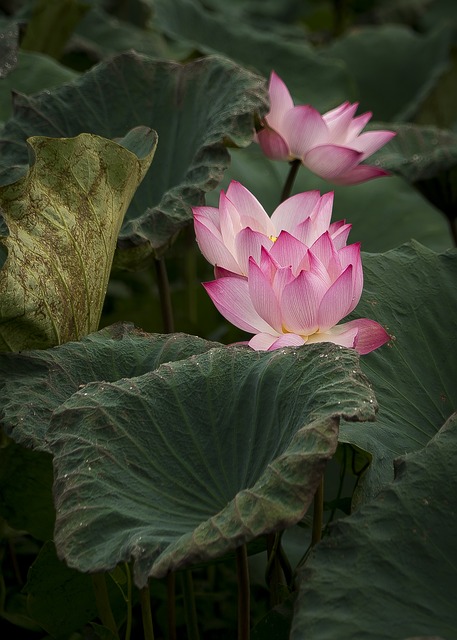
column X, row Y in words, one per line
column 249, row 209
column 213, row 248
column 249, row 243
column 321, row 216
column 273, row 145
column 229, row 221
column 263, row 297
column 357, row 125
column 303, row 128
column 337, row 111
column 351, row 255
column 361, row 173
column 371, row 141
column 294, row 211
column 339, row 126
column 209, row 215
column 231, row 298
column 288, row 251
column 281, row 279
column 339, row 232
column 370, row 336
column 330, row 161
column 300, row 303
column 341, row 334
column 324, row 249
column 336, row 301
column 287, row 340
column 280, row 101
column 262, row 341
column 220, row 272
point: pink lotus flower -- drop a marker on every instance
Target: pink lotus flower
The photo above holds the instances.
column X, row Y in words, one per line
column 229, row 235
column 301, row 280
column 331, row 146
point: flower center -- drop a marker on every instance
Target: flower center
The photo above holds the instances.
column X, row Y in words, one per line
column 273, row 238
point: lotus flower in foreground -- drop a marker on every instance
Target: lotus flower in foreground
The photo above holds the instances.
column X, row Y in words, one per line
column 229, row 235
column 294, row 287
column 330, row 145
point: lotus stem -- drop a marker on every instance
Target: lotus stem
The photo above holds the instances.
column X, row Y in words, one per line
column 187, row 586
column 103, row 604
column 171, row 606
column 165, row 296
column 294, row 167
column 128, row 624
column 453, row 228
column 318, row 514
column 244, row 605
column 145, row 601
column 273, row 570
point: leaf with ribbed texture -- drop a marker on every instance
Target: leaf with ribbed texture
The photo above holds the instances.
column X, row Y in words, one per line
column 389, row 570
column 195, row 108
column 411, row 291
column 33, row 384
column 58, row 230
column 183, row 464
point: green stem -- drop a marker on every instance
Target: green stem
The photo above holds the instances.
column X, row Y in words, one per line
column 146, row 615
column 128, row 626
column 187, row 586
column 273, row 571
column 318, row 514
column 244, row 605
column 165, row 296
column 103, row 605
column 171, row 606
column 294, row 167
column 453, row 229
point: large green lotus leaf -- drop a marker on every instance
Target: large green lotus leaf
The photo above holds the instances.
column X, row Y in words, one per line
column 394, row 68
column 412, row 292
column 388, row 571
column 427, row 158
column 385, row 213
column 33, row 72
column 58, row 230
column 183, row 464
column 310, row 77
column 33, row 384
column 195, row 108
column 418, row 152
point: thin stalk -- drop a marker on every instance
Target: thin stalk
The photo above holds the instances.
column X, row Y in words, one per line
column 453, row 229
column 165, row 296
column 318, row 514
column 128, row 624
column 171, row 606
column 146, row 615
column 273, row 573
column 103, row 605
column 294, row 167
column 244, row 605
column 187, row 586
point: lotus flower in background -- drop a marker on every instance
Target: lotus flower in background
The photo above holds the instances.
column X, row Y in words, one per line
column 289, row 279
column 229, row 235
column 330, row 145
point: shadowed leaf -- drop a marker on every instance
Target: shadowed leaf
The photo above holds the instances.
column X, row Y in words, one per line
column 414, row 377
column 388, row 571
